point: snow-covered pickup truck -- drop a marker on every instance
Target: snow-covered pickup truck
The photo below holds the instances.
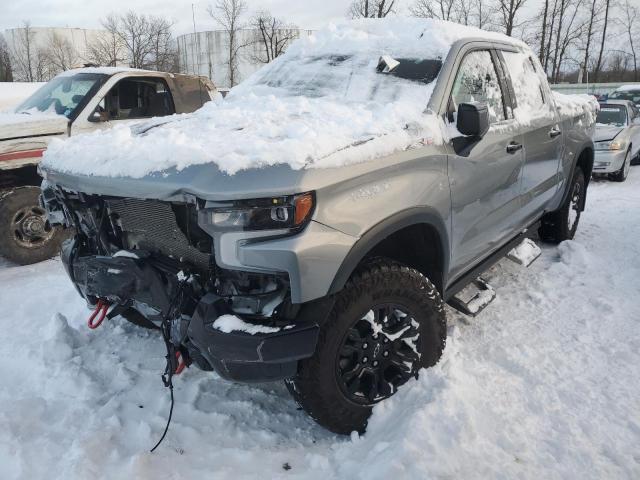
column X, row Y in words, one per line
column 77, row 101
column 311, row 226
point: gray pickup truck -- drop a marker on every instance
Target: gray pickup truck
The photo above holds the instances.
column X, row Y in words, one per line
column 328, row 268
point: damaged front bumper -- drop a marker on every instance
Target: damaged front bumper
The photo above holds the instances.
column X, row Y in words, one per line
column 136, row 280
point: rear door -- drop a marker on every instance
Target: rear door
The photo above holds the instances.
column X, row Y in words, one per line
column 484, row 174
column 535, row 114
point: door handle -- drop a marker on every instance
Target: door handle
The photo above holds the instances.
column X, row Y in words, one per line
column 513, row 147
column 554, row 132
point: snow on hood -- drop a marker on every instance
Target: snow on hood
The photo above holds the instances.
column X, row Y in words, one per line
column 32, row 122
column 321, row 104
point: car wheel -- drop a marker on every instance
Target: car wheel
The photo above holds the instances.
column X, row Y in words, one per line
column 26, row 236
column 621, row 175
column 563, row 223
column 387, row 323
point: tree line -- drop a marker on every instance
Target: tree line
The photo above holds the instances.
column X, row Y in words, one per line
column 575, row 40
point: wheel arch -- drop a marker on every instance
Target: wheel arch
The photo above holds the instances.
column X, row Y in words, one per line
column 402, row 238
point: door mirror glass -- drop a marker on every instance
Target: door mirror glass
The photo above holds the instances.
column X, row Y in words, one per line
column 100, row 114
column 473, row 119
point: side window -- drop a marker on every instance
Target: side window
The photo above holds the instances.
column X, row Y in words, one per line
column 527, row 86
column 477, row 81
column 133, row 98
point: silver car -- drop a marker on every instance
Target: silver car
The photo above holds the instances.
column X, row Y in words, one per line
column 617, row 139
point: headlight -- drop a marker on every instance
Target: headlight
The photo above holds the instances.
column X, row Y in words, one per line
column 613, row 145
column 278, row 213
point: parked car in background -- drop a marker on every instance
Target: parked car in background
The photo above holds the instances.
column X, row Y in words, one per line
column 626, row 92
column 77, row 101
column 616, row 139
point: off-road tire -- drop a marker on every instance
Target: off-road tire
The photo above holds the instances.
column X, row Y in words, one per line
column 621, row 175
column 555, row 227
column 11, row 204
column 316, row 386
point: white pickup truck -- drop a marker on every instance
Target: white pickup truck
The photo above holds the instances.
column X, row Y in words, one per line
column 74, row 102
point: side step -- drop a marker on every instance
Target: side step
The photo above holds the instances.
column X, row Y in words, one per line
column 525, row 253
column 473, row 298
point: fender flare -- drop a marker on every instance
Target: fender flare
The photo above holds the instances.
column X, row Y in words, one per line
column 587, row 175
column 387, row 227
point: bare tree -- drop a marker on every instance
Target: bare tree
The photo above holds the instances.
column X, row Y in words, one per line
column 107, row 50
column 164, row 52
column 228, row 14
column 371, row 8
column 143, row 41
column 23, row 53
column 6, row 74
column 468, row 12
column 598, row 65
column 630, row 24
column 61, row 54
column 591, row 27
column 272, row 37
column 439, row 9
column 509, row 10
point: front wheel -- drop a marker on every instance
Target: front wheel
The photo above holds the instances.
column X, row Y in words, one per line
column 621, row 175
column 563, row 223
column 26, row 236
column 387, row 323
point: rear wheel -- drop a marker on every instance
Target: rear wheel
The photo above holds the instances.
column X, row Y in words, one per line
column 26, row 236
column 621, row 175
column 388, row 322
column 563, row 223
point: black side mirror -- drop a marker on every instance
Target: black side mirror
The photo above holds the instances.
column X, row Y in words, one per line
column 473, row 119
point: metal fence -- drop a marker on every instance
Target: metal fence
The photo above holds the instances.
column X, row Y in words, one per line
column 591, row 88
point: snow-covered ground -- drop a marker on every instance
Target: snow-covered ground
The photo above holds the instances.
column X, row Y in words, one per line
column 13, row 93
column 544, row 383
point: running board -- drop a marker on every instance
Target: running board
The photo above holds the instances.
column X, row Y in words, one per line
column 525, row 253
column 473, row 298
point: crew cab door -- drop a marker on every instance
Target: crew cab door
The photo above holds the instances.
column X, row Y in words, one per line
column 484, row 173
column 535, row 113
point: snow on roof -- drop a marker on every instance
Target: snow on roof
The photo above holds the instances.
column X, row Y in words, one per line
column 321, row 104
column 628, row 88
column 102, row 70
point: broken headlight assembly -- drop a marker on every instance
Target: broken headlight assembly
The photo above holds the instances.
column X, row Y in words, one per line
column 291, row 212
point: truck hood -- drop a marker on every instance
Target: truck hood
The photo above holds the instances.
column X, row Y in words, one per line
column 24, row 125
column 605, row 133
column 208, row 182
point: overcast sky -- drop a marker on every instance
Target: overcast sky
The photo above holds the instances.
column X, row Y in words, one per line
column 309, row 14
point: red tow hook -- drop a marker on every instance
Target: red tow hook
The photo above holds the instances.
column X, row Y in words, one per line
column 181, row 364
column 98, row 315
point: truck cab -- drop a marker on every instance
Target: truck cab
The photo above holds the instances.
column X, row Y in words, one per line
column 75, row 102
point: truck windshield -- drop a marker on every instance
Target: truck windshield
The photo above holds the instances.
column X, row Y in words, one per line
column 62, row 95
column 612, row 115
column 350, row 77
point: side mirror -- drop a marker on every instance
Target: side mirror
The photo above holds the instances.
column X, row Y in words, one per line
column 99, row 116
column 473, row 119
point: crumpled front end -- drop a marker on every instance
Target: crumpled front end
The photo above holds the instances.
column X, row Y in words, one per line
column 152, row 260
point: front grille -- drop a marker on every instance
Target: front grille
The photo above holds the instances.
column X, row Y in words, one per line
column 151, row 225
